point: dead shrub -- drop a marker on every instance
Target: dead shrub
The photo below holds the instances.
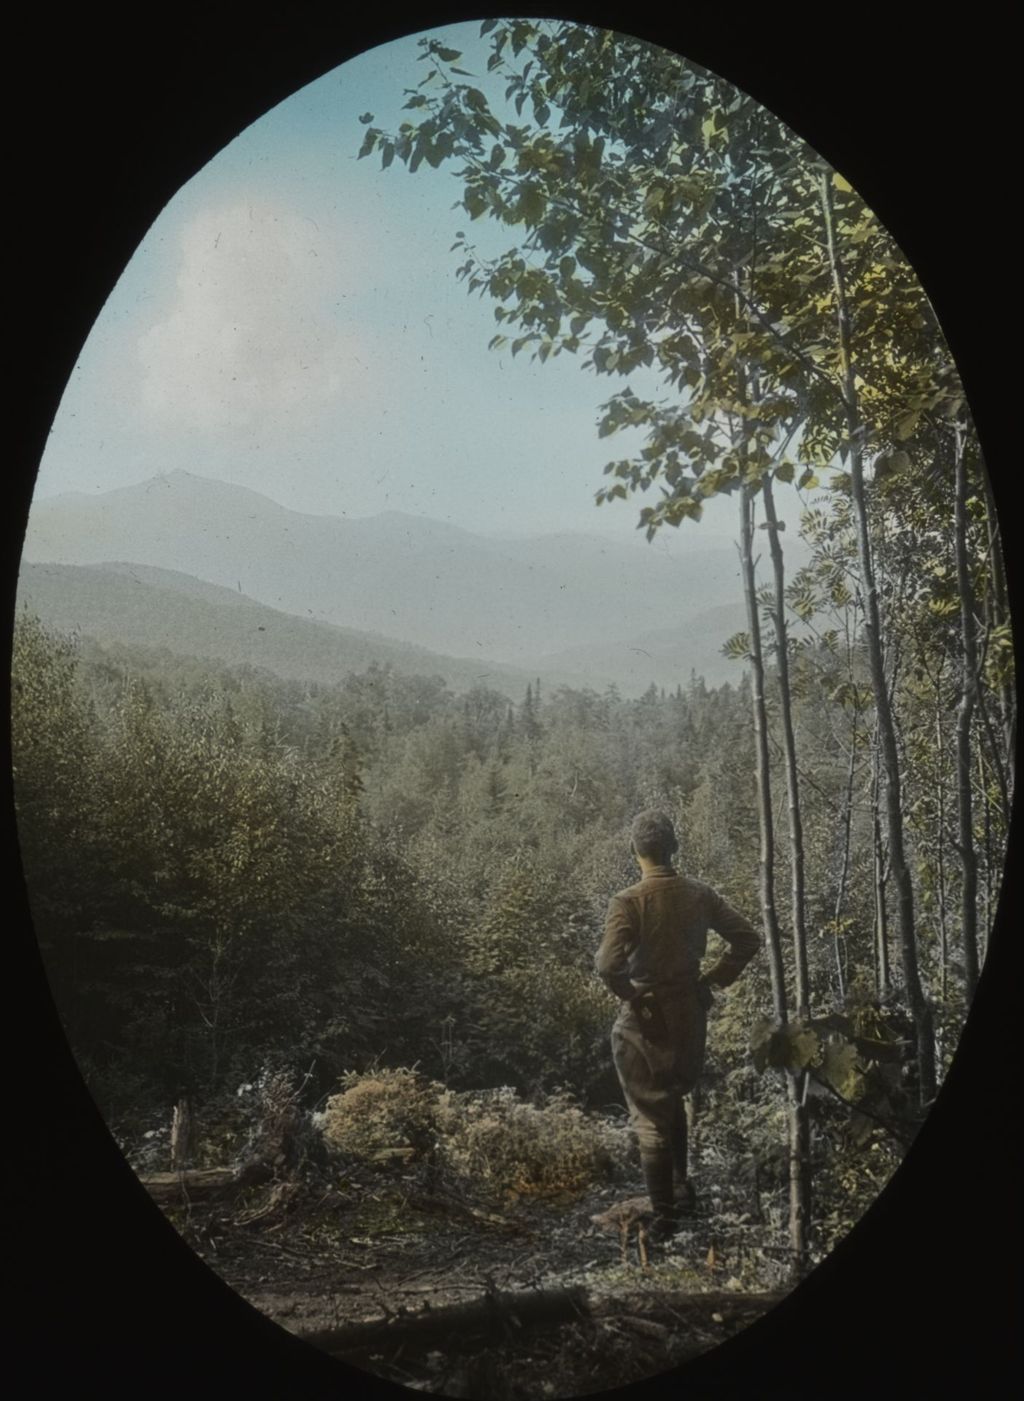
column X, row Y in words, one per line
column 282, row 1139
column 491, row 1139
column 513, row 1148
column 381, row 1110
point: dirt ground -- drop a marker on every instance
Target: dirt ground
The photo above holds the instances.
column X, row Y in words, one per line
column 381, row 1247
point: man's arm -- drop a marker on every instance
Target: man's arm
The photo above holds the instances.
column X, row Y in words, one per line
column 619, row 938
column 741, row 936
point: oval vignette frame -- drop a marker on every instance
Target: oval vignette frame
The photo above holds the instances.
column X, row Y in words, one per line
column 912, row 1218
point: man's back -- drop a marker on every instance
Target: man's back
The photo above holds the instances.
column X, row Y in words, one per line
column 656, row 934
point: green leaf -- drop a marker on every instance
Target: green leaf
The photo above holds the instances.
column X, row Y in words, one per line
column 448, row 55
column 785, row 472
column 531, row 204
column 369, row 141
column 792, row 1047
column 839, row 1068
column 654, row 198
column 803, row 1046
column 366, row 118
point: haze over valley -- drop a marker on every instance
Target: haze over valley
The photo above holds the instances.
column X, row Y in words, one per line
column 221, row 570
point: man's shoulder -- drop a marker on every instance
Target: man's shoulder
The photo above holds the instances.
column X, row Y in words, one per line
column 676, row 881
column 701, row 888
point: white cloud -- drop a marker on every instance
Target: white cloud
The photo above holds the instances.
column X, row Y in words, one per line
column 254, row 332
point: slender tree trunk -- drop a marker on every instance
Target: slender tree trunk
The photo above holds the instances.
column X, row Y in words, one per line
column 940, row 860
column 985, row 855
column 847, row 821
column 796, row 834
column 692, row 1106
column 799, row 1169
column 844, row 867
column 766, row 826
column 799, row 1158
column 920, row 1010
column 1000, row 617
column 882, row 980
column 964, row 726
column 995, row 757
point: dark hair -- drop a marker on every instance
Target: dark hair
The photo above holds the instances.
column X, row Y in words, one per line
column 652, row 835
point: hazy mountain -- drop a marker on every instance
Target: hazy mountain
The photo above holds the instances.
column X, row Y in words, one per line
column 665, row 656
column 534, row 602
column 143, row 606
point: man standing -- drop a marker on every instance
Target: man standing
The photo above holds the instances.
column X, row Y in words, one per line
column 655, row 937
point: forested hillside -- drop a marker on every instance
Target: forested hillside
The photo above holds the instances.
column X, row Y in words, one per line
column 518, row 600
column 139, row 605
column 230, row 872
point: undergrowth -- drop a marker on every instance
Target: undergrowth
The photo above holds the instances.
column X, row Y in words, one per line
column 490, row 1139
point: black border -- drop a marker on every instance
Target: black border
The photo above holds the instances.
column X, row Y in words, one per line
column 919, row 108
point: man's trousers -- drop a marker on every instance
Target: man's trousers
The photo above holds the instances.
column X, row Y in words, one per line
column 655, row 1075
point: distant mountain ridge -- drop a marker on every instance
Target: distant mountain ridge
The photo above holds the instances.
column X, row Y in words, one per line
column 140, row 605
column 530, row 603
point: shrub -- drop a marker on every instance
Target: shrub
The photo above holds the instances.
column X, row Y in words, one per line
column 513, row 1148
column 490, row 1138
column 382, row 1109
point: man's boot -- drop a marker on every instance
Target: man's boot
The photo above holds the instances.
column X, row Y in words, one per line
column 657, row 1169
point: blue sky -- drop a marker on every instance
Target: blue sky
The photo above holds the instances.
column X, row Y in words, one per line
column 292, row 323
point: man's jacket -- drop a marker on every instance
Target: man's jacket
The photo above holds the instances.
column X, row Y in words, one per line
column 656, row 935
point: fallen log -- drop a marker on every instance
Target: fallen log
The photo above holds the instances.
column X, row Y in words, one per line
column 196, row 1185
column 646, row 1326
column 403, row 1154
column 496, row 1315
column 446, row 1201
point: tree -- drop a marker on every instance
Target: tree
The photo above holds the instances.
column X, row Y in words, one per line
column 666, row 223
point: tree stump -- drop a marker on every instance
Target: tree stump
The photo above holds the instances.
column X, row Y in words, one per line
column 181, row 1135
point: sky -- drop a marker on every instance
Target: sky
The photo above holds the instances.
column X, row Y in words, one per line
column 292, row 323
